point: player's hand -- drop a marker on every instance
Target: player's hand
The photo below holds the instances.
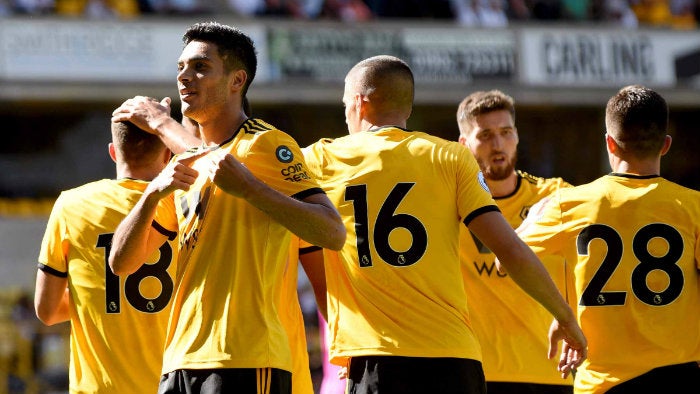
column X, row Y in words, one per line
column 533, row 215
column 145, row 112
column 574, row 346
column 230, row 175
column 177, row 175
column 342, row 373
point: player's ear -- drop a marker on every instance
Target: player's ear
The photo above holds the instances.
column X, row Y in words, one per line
column 167, row 155
column 611, row 143
column 238, row 80
column 667, row 145
column 112, row 153
column 362, row 105
column 463, row 140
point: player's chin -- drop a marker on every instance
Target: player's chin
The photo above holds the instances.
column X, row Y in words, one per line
column 186, row 108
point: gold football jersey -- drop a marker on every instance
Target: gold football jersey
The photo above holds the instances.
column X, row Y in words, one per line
column 395, row 288
column 118, row 324
column 232, row 258
column 632, row 246
column 512, row 327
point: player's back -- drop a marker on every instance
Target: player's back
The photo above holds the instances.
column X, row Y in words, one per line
column 118, row 324
column 635, row 243
column 395, row 288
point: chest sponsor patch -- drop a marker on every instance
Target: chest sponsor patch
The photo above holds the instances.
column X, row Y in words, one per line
column 284, row 154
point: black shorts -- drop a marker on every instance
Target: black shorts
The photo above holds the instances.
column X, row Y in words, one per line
column 676, row 379
column 226, row 380
column 414, row 375
column 527, row 388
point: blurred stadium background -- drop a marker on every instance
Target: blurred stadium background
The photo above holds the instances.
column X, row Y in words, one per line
column 66, row 64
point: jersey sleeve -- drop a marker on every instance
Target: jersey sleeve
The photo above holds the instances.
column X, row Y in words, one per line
column 55, row 244
column 697, row 251
column 473, row 196
column 276, row 159
column 165, row 218
column 542, row 228
column 313, row 155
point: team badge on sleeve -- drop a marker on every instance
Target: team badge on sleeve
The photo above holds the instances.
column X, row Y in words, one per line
column 284, row 154
column 482, row 182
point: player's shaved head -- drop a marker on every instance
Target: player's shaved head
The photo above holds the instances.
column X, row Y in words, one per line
column 134, row 145
column 388, row 83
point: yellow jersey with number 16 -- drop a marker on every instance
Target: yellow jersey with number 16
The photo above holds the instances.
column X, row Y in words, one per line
column 395, row 288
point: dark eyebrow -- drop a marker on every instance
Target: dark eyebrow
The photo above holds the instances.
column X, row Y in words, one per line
column 194, row 59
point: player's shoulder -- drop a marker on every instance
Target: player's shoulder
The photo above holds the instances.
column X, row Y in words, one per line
column 446, row 148
column 679, row 187
column 85, row 192
column 680, row 191
column 318, row 147
column 539, row 180
column 88, row 189
column 541, row 185
column 432, row 138
column 257, row 126
column 321, row 143
column 257, row 130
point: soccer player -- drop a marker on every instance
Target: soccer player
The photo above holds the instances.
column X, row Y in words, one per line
column 631, row 240
column 397, row 311
column 510, row 326
column 231, row 202
column 154, row 117
column 114, row 318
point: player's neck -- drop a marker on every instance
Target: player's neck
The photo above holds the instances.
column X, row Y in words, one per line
column 141, row 173
column 504, row 187
column 219, row 129
column 638, row 167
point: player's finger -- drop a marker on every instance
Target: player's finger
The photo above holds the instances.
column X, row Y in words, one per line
column 552, row 350
column 188, row 158
column 166, row 102
column 120, row 117
column 121, row 109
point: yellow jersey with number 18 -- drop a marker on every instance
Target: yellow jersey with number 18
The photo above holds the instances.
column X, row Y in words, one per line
column 118, row 324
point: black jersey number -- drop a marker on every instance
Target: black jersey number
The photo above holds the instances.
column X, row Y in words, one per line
column 593, row 294
column 387, row 221
column 132, row 292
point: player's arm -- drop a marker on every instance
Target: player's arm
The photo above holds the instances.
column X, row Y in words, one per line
column 312, row 218
column 135, row 239
column 311, row 259
column 51, row 298
column 154, row 117
column 527, row 271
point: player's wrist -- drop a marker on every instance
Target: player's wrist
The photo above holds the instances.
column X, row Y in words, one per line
column 162, row 125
